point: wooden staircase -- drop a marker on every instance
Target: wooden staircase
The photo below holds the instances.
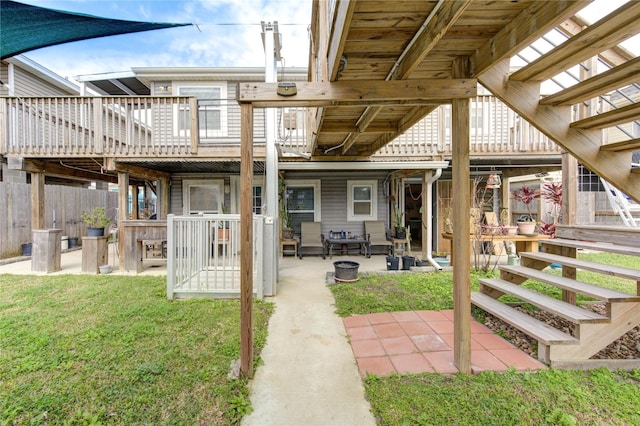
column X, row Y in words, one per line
column 592, row 332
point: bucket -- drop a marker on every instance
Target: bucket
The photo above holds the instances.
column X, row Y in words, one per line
column 64, row 242
column 393, row 263
column 105, row 269
column 408, row 262
column 346, row 270
column 513, row 260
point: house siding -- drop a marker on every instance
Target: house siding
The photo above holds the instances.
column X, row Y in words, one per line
column 27, row 84
column 333, row 192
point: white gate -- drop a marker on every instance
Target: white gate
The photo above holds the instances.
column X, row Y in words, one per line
column 203, row 256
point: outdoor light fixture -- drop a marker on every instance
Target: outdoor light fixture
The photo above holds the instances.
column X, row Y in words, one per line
column 494, row 181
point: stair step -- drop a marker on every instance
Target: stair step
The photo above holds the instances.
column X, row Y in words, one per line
column 539, row 330
column 618, row 271
column 589, row 245
column 557, row 307
column 597, row 292
column 624, row 146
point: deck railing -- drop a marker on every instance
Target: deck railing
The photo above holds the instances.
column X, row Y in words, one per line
column 177, row 126
column 495, row 130
column 203, row 256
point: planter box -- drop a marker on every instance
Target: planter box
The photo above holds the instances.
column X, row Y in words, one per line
column 346, row 270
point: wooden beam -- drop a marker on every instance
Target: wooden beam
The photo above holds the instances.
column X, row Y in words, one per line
column 553, row 121
column 461, row 242
column 630, row 145
column 264, row 95
column 164, row 198
column 432, row 30
column 37, row 200
column 615, row 78
column 609, row 31
column 534, row 21
column 340, row 26
column 57, row 169
column 144, row 173
column 246, row 240
column 622, row 115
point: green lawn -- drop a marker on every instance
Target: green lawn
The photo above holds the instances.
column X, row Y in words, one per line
column 112, row 350
column 550, row 397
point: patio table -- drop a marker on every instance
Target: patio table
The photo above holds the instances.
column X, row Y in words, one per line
column 363, row 243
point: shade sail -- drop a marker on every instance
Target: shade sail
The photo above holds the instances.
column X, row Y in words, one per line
column 24, row 27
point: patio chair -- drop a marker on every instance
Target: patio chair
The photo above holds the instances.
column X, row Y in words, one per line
column 311, row 239
column 377, row 236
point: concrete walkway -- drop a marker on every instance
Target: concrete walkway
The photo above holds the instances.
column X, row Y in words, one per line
column 309, row 376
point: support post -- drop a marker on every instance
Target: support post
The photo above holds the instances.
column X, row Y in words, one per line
column 135, row 208
column 164, row 199
column 461, row 241
column 246, row 240
column 37, row 200
column 123, row 213
column 271, row 233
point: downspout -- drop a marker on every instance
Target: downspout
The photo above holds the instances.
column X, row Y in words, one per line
column 429, row 183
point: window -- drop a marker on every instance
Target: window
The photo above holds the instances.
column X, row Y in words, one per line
column 362, row 200
column 212, row 110
column 202, row 196
column 303, row 202
column 257, row 194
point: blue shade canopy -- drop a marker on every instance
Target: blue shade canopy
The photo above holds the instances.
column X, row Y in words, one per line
column 24, row 27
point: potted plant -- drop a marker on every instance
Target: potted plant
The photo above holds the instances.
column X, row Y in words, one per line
column 552, row 193
column 96, row 221
column 398, row 215
column 526, row 195
column 285, row 215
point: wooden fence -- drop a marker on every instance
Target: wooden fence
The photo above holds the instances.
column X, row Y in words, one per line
column 67, row 202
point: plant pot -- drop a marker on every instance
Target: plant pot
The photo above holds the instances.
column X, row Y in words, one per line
column 287, row 234
column 95, row 232
column 105, row 269
column 422, row 263
column 511, row 230
column 526, row 228
column 408, row 262
column 26, row 249
column 346, row 270
column 73, row 242
column 401, row 233
column 393, row 263
column 442, row 261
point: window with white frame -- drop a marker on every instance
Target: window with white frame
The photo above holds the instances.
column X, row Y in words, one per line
column 202, row 196
column 256, row 195
column 212, row 110
column 303, row 201
column 362, row 200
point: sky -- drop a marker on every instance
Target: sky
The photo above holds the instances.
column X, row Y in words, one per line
column 226, row 33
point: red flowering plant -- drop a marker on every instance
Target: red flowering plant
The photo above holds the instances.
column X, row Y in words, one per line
column 552, row 192
column 526, row 195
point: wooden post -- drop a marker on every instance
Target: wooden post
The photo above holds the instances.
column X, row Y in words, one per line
column 135, row 208
column 164, row 199
column 123, row 213
column 37, row 200
column 461, row 238
column 246, row 240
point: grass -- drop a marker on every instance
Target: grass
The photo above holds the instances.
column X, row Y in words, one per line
column 546, row 397
column 113, row 350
